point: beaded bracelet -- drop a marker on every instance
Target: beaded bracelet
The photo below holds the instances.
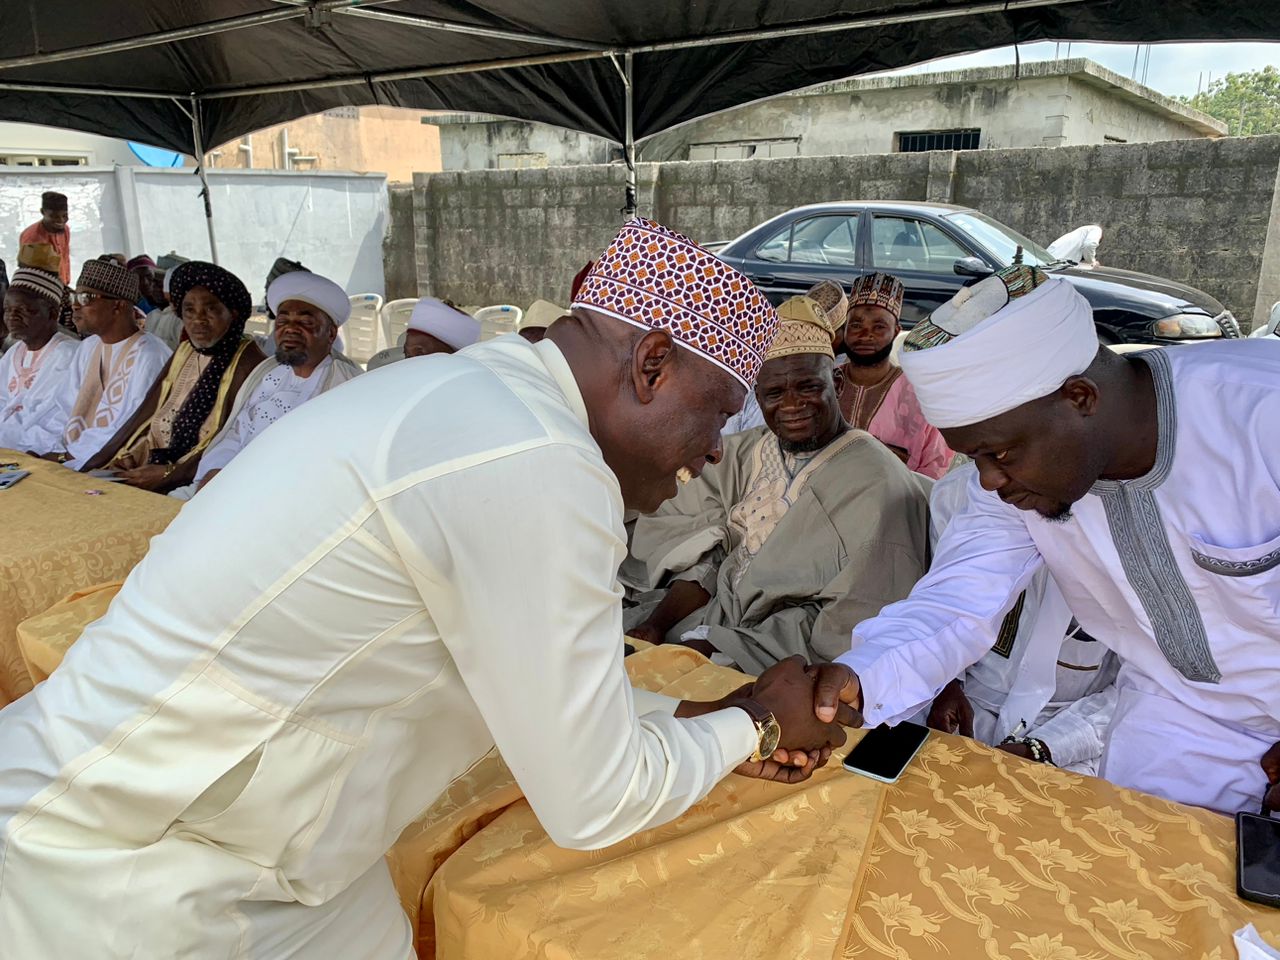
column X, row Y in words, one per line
column 1039, row 751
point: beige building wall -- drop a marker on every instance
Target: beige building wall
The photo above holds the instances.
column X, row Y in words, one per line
column 386, row 140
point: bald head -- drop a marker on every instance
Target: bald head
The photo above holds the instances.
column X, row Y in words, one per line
column 653, row 407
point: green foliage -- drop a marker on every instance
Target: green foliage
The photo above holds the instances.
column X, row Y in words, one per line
column 1248, row 103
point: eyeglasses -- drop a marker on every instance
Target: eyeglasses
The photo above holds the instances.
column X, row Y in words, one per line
column 83, row 299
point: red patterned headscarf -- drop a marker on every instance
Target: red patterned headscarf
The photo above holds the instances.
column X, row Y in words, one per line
column 653, row 277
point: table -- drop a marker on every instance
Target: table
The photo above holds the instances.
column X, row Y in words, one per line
column 974, row 853
column 57, row 539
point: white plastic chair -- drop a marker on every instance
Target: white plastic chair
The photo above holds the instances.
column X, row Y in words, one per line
column 499, row 319
column 361, row 334
column 258, row 326
column 395, row 319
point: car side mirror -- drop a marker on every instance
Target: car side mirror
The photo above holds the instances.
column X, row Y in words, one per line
column 972, row 267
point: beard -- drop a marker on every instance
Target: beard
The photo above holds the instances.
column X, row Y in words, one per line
column 1061, row 514
column 291, row 358
column 870, row 359
column 807, row 445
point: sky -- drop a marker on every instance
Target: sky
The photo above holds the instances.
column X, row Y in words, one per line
column 1175, row 69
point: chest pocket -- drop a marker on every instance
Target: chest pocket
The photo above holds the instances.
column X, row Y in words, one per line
column 1244, row 580
column 1237, row 562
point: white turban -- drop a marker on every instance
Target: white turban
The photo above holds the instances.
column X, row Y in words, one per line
column 443, row 322
column 1013, row 338
column 321, row 292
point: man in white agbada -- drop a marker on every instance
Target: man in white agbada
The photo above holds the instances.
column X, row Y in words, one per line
column 33, row 370
column 112, row 369
column 309, row 311
column 1055, row 710
column 218, row 772
column 1148, row 485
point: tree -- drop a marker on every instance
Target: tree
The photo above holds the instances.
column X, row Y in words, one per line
column 1248, row 103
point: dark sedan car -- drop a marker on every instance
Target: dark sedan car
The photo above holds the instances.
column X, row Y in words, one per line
column 936, row 248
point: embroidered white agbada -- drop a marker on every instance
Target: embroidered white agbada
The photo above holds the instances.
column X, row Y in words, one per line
column 30, row 387
column 271, row 391
column 284, row 683
column 104, row 386
column 1177, row 571
column 1070, row 710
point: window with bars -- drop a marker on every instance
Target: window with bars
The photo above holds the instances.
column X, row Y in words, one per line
column 918, row 141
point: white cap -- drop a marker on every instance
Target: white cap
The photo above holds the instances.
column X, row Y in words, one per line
column 321, row 292
column 443, row 322
column 541, row 313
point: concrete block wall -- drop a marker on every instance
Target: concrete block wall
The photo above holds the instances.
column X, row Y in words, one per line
column 1193, row 210
column 1201, row 211
column 513, row 236
column 720, row 199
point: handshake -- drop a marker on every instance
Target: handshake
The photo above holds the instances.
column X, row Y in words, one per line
column 811, row 703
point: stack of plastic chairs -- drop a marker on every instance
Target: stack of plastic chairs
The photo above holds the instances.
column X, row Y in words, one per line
column 498, row 319
column 395, row 320
column 361, row 334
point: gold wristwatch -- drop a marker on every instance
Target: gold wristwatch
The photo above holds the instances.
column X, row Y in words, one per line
column 768, row 732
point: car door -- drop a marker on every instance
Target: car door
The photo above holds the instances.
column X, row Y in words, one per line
column 805, row 250
column 922, row 255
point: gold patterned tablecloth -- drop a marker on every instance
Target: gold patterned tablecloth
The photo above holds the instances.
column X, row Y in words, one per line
column 55, row 539
column 973, row 855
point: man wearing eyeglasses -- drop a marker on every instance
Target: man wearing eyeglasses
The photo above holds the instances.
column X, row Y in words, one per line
column 111, row 372
column 32, row 372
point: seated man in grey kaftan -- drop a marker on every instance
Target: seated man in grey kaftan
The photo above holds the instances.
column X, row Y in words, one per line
column 804, row 528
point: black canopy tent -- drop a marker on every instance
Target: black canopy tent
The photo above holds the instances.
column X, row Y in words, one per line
column 202, row 72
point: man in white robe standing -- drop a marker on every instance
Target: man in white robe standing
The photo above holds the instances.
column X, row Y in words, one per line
column 113, row 368
column 309, row 310
column 418, row 569
column 1148, row 485
column 33, row 370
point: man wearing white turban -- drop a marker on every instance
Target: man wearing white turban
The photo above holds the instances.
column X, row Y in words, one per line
column 309, row 310
column 1124, row 477
column 437, row 327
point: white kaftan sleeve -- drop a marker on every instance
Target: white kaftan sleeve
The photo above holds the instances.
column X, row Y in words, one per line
column 908, row 653
column 1077, row 733
column 515, row 559
column 227, row 446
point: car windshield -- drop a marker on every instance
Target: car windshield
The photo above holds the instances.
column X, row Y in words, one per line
column 1000, row 241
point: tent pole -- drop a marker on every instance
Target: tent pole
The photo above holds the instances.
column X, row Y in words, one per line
column 197, row 139
column 629, row 145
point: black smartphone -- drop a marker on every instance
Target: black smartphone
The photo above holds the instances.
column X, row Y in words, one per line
column 1258, row 859
column 883, row 753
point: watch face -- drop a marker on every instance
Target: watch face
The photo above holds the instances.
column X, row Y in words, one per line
column 769, row 738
